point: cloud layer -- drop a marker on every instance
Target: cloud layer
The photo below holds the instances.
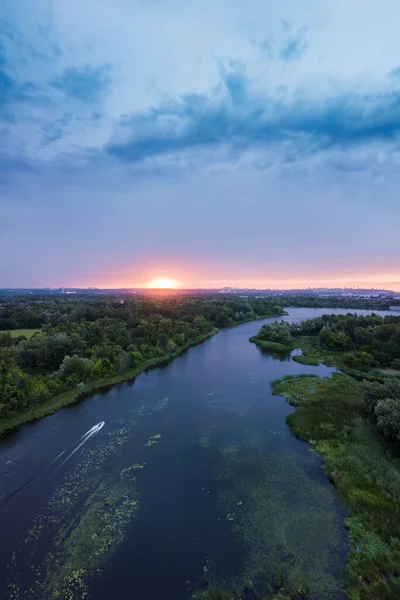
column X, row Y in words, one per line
column 239, row 117
column 216, row 141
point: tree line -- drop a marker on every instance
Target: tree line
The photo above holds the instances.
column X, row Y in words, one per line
column 84, row 339
column 365, row 342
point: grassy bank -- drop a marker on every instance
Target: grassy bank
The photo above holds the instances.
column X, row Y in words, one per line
column 272, row 346
column 313, row 354
column 329, row 415
column 71, row 396
column 274, row 337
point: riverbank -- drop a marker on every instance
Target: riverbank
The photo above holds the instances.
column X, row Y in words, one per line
column 313, row 355
column 258, row 318
column 74, row 395
column 330, row 415
column 272, row 346
column 274, row 337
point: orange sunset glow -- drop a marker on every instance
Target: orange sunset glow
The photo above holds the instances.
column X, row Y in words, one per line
column 214, row 277
column 165, row 283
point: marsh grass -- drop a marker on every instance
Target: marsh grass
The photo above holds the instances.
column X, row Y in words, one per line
column 280, row 589
column 313, row 354
column 270, row 346
column 366, row 472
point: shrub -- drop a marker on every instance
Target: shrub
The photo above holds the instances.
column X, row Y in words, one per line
column 388, row 416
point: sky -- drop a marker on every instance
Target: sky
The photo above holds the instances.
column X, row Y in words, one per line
column 217, row 143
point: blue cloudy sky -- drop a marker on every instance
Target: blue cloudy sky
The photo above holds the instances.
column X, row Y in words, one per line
column 215, row 142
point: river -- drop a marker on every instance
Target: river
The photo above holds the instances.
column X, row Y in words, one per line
column 194, row 478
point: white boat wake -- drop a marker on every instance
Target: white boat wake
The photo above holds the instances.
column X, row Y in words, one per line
column 85, row 438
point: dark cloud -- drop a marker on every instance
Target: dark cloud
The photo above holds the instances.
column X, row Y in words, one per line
column 294, row 46
column 395, row 72
column 87, row 83
column 12, row 91
column 266, row 47
column 237, row 117
column 52, row 133
column 7, row 87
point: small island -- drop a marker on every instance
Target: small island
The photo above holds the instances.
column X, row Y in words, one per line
column 275, row 336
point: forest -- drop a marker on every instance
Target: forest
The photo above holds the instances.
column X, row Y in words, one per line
column 314, row 301
column 75, row 341
column 364, row 342
column 365, row 346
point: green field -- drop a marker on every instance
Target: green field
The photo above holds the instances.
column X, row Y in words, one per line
column 28, row 333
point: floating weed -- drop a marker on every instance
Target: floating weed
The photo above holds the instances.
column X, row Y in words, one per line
column 253, row 378
column 286, row 518
column 204, row 441
column 133, row 468
column 153, row 440
column 83, row 523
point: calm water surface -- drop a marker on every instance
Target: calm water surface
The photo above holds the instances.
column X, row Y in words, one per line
column 194, row 476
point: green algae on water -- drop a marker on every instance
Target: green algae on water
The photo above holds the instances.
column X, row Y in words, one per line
column 281, row 517
column 153, row 440
column 84, row 521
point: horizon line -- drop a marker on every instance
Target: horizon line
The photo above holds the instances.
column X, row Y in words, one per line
column 177, row 289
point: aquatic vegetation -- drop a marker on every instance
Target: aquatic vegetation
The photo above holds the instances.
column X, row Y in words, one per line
column 281, row 517
column 213, row 593
column 92, row 540
column 307, row 359
column 85, row 519
column 153, row 440
column 270, row 346
column 332, row 418
column 253, row 378
column 223, row 402
column 133, row 468
column 280, row 590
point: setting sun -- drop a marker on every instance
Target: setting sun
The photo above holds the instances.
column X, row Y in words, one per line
column 163, row 283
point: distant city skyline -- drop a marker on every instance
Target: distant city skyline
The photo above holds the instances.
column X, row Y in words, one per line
column 213, row 143
column 228, row 289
